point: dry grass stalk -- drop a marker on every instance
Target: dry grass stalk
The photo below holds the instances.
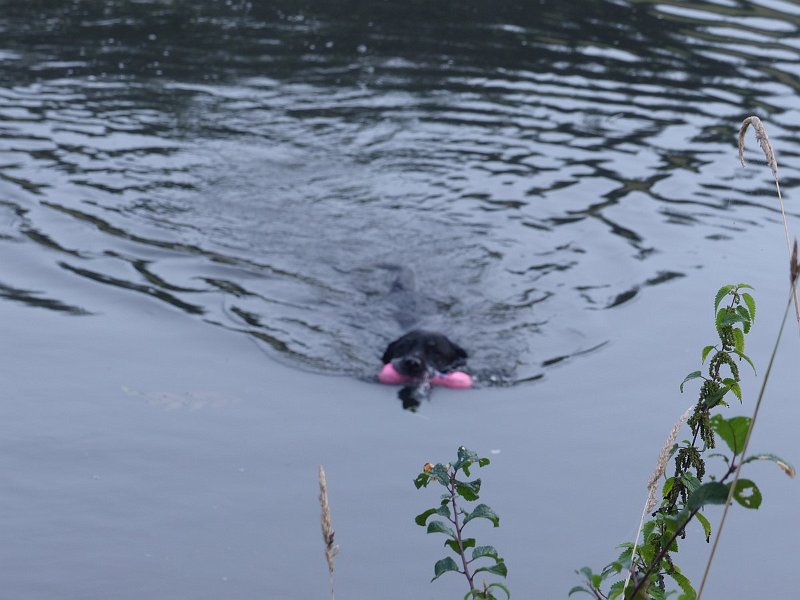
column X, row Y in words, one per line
column 788, row 469
column 652, row 484
column 763, row 140
column 663, row 459
column 328, row 533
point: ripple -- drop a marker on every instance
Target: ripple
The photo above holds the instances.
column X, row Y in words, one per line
column 267, row 170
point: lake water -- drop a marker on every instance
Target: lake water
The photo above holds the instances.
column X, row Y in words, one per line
column 203, row 207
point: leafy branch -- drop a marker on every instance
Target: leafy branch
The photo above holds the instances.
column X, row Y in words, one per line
column 456, row 519
column 684, row 494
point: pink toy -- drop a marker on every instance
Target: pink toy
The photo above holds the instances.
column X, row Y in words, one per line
column 457, row 380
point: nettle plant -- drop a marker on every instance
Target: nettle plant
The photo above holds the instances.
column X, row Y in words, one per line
column 456, row 518
column 641, row 571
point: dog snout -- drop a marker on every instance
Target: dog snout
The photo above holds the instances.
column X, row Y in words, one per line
column 412, row 365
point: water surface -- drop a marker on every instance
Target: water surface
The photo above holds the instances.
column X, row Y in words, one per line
column 561, row 177
column 258, row 166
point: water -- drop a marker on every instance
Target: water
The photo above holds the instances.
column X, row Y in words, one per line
column 254, row 166
column 265, row 167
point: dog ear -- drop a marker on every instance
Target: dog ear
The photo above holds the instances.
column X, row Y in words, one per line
column 459, row 351
column 390, row 353
column 456, row 356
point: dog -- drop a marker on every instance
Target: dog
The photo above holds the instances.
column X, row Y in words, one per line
column 420, row 355
column 420, row 351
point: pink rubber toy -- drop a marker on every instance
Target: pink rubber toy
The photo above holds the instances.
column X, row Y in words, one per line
column 457, row 380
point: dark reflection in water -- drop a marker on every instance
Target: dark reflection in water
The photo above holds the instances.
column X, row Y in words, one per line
column 259, row 165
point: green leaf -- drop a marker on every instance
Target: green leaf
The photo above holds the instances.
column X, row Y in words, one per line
column 443, row 566
column 744, row 313
column 718, row 319
column 464, row 455
column 497, row 584
column 667, row 538
column 712, row 492
column 734, row 387
column 468, row 490
column 616, row 590
column 615, row 567
column 690, row 481
column 465, row 544
column 738, row 339
column 733, row 431
column 782, row 464
column 439, row 527
column 684, row 584
column 751, row 305
column 497, row 569
column 465, row 459
column 714, row 397
column 440, row 473
column 747, row 358
column 654, row 594
column 668, row 484
column 646, row 550
column 668, row 520
column 575, row 590
column 484, row 551
column 723, row 291
column 627, row 550
column 705, row 523
column 648, row 528
column 729, row 316
column 482, row 462
column 705, row 352
column 422, row 480
column 483, row 512
column 597, row 580
column 422, row 518
column 747, row 494
column 690, row 376
column 744, row 286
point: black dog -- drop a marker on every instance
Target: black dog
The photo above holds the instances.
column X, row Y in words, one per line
column 420, row 355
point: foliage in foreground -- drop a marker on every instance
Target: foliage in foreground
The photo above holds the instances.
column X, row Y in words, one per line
column 456, row 518
column 641, row 571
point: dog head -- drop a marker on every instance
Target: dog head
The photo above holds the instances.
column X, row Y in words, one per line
column 420, row 353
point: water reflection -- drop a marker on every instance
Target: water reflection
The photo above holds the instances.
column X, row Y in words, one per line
column 255, row 165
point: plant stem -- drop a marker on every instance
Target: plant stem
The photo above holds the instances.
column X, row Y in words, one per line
column 665, row 547
column 662, row 554
column 746, row 442
column 789, row 250
column 464, row 561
